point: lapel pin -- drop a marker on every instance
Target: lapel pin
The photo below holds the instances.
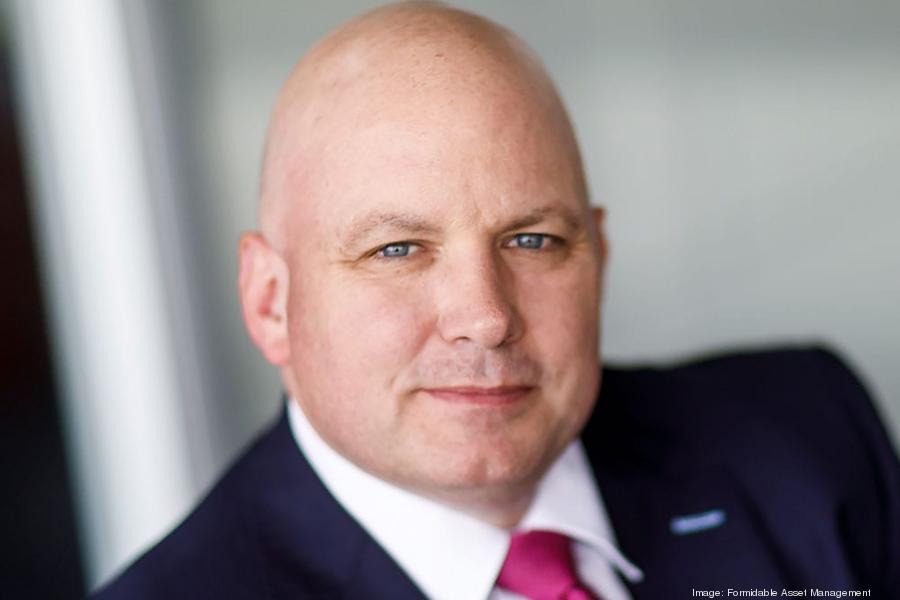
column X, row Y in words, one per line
column 704, row 521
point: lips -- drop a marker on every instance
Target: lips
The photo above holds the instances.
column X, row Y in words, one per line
column 486, row 396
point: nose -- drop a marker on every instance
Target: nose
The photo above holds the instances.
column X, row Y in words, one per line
column 475, row 302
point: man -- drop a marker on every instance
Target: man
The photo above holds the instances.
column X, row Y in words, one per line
column 427, row 278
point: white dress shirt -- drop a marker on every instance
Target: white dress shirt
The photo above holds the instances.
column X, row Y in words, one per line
column 451, row 555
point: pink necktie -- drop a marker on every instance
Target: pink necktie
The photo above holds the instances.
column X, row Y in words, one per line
column 539, row 566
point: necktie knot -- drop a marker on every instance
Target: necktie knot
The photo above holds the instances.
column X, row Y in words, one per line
column 539, row 566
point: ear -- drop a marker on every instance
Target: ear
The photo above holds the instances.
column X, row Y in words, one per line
column 263, row 286
column 599, row 214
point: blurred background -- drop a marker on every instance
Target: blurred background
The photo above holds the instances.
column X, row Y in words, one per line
column 748, row 154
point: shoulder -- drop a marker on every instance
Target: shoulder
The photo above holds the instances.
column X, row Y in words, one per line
column 214, row 552
column 792, row 431
column 801, row 400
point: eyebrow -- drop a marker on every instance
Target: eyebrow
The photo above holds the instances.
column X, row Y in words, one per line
column 569, row 217
column 362, row 227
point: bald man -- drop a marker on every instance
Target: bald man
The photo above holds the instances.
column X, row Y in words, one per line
column 427, row 278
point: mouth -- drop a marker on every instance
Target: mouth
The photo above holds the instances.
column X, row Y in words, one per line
column 485, row 396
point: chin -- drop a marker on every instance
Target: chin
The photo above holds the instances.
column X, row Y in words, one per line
column 492, row 467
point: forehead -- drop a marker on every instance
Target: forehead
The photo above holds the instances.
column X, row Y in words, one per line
column 444, row 160
column 447, row 129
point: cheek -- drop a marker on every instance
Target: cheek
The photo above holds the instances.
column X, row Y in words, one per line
column 561, row 315
column 562, row 318
column 349, row 345
column 375, row 330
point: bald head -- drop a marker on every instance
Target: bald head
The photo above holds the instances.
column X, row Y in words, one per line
column 431, row 66
column 426, row 237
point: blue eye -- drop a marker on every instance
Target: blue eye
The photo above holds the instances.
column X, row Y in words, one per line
column 397, row 250
column 530, row 241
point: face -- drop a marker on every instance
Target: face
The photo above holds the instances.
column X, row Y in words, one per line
column 442, row 292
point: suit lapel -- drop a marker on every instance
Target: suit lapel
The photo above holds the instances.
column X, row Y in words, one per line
column 687, row 524
column 309, row 546
column 687, row 533
column 378, row 576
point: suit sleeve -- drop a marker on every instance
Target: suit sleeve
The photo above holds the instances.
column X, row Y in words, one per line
column 875, row 537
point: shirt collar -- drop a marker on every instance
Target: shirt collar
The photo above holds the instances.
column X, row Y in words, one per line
column 568, row 501
column 450, row 554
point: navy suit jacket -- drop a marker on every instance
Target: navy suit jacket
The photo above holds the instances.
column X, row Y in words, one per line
column 785, row 445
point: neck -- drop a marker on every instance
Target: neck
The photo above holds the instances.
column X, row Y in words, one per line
column 501, row 509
